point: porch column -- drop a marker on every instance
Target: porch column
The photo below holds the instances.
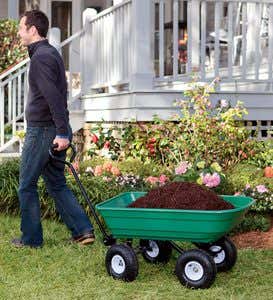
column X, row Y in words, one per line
column 87, row 50
column 141, row 64
column 13, row 9
column 77, row 8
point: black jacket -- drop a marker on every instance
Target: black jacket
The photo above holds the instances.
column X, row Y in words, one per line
column 47, row 99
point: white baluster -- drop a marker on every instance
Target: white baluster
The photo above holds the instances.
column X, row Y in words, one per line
column 270, row 42
column 175, row 38
column 2, row 116
column 203, row 38
column 161, row 38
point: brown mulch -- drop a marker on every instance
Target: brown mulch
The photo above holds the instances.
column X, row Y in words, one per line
column 182, row 195
column 255, row 239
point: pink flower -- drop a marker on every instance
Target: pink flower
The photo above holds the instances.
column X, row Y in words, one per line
column 107, row 166
column 223, row 103
column 115, row 171
column 182, row 168
column 247, row 186
column 261, row 189
column 152, row 180
column 163, row 178
column 211, row 180
column 237, row 193
column 98, row 171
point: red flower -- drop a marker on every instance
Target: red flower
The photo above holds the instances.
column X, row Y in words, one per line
column 152, row 140
column 94, row 138
column 106, row 145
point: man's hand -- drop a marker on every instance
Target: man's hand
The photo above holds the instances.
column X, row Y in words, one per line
column 63, row 143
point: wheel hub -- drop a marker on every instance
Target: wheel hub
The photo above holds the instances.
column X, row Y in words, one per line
column 154, row 249
column 118, row 264
column 219, row 254
column 194, row 270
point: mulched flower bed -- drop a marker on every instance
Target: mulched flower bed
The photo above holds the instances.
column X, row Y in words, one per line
column 255, row 239
column 182, row 195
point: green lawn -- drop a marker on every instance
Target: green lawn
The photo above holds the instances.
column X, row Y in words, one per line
column 63, row 271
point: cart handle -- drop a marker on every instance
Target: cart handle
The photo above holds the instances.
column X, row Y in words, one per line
column 107, row 239
column 53, row 156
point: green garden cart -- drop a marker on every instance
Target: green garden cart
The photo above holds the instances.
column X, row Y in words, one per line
column 158, row 231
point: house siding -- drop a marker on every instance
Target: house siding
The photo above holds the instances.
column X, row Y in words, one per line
column 3, row 9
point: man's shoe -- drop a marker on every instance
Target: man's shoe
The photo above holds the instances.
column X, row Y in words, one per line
column 18, row 243
column 84, row 239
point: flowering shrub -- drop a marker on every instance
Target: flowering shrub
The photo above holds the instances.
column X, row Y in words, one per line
column 106, row 170
column 211, row 176
column 199, row 132
column 103, row 142
column 262, row 195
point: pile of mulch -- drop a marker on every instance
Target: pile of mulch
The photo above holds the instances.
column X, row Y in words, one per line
column 182, row 195
column 255, row 239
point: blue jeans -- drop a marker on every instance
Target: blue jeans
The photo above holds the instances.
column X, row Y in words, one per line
column 35, row 162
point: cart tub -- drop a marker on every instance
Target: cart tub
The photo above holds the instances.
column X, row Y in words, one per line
column 170, row 224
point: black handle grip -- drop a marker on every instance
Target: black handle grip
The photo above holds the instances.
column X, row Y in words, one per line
column 52, row 151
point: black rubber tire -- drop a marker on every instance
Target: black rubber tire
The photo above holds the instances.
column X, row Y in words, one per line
column 130, row 262
column 164, row 254
column 230, row 253
column 205, row 265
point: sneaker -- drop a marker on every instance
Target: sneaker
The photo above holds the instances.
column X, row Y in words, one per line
column 84, row 239
column 18, row 243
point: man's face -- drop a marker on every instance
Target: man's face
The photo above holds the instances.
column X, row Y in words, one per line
column 26, row 34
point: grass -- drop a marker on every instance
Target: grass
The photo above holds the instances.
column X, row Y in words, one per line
column 64, row 271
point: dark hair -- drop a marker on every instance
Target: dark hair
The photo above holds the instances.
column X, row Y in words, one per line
column 37, row 19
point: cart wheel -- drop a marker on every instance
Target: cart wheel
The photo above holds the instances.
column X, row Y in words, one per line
column 224, row 253
column 196, row 269
column 157, row 251
column 121, row 262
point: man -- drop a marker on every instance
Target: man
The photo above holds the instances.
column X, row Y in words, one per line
column 47, row 123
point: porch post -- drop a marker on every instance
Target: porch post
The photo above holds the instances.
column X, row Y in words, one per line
column 13, row 9
column 54, row 37
column 141, row 62
column 195, row 33
column 44, row 6
column 87, row 58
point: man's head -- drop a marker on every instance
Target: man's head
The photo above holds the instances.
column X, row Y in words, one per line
column 33, row 26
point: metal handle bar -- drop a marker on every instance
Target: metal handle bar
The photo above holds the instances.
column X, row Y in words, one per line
column 107, row 239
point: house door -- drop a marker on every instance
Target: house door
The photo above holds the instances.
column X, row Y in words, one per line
column 61, row 17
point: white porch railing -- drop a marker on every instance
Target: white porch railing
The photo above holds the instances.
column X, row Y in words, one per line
column 13, row 93
column 227, row 38
column 140, row 44
column 108, row 48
